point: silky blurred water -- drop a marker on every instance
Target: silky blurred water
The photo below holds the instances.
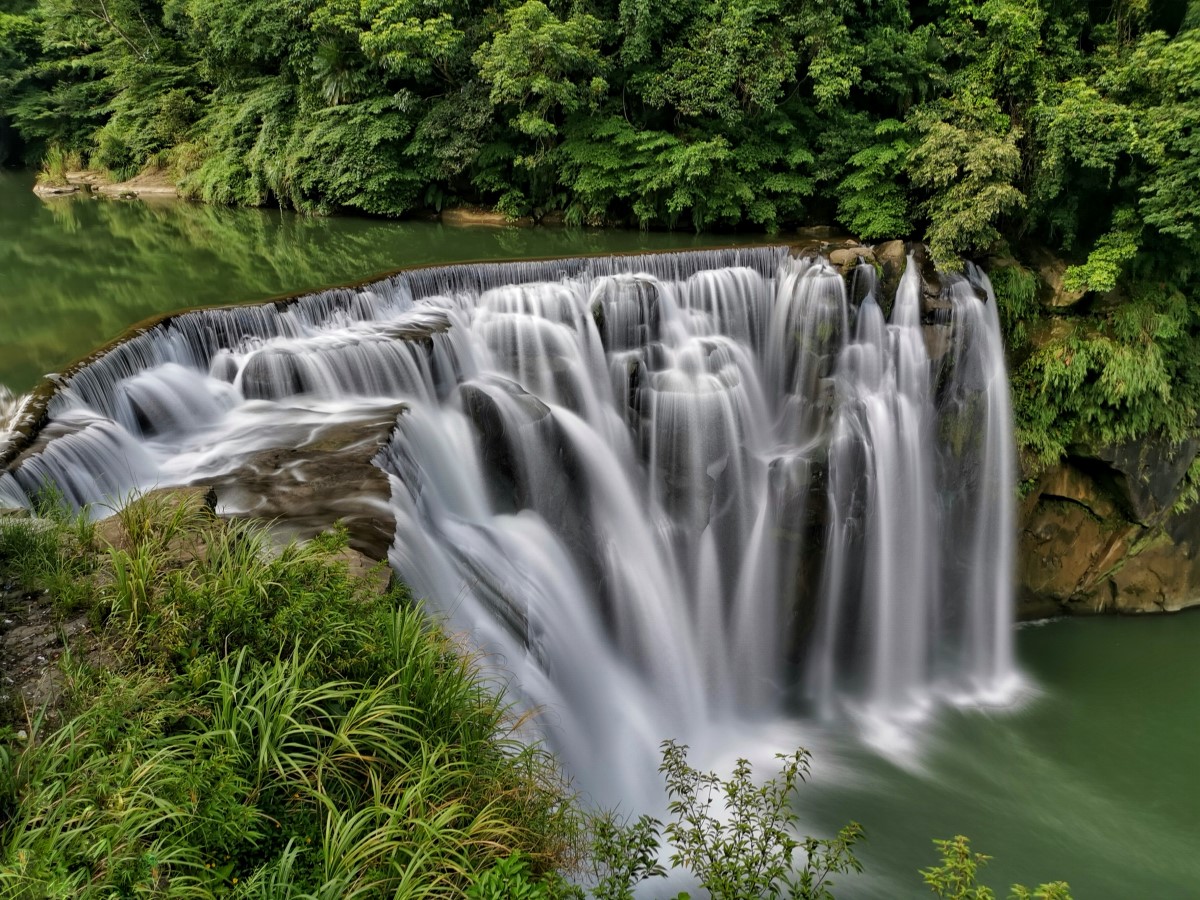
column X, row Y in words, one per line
column 1090, row 775
column 1093, row 779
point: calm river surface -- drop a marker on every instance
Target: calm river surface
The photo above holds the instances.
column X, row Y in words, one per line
column 75, row 272
column 1094, row 779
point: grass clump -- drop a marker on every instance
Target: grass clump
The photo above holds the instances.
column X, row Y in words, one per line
column 54, row 552
column 261, row 723
column 56, row 163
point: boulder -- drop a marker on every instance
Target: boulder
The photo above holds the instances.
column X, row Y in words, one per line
column 851, row 256
column 891, row 254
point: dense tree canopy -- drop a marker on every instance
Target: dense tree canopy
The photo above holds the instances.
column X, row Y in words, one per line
column 971, row 124
column 957, row 120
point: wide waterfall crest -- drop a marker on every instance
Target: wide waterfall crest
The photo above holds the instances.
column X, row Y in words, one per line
column 666, row 493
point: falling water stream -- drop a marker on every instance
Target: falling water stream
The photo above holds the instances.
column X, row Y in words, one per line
column 675, row 496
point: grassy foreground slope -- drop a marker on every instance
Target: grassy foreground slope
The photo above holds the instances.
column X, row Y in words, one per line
column 244, row 721
column 232, row 719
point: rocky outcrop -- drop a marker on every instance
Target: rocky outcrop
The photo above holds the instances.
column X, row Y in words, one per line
column 149, row 185
column 1052, row 295
column 328, row 477
column 1100, row 533
column 1104, row 530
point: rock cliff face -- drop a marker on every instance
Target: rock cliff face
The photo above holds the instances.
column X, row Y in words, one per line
column 1098, row 533
column 1105, row 530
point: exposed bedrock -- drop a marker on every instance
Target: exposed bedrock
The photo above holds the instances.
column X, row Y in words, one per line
column 327, row 476
column 1099, row 533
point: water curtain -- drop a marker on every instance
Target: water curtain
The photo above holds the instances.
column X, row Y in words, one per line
column 665, row 494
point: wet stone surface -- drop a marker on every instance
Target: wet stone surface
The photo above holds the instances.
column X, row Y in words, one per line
column 32, row 640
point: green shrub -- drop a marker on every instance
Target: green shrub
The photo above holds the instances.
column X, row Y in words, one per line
column 750, row 851
column 956, row 877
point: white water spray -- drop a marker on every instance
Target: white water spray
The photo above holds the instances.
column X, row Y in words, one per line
column 670, row 495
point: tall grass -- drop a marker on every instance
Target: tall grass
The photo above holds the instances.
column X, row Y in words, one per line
column 266, row 725
column 57, row 163
column 55, row 551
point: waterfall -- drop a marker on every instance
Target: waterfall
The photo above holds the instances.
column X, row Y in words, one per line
column 666, row 494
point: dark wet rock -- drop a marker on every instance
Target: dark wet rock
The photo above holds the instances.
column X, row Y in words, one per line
column 504, row 435
column 626, row 313
column 315, row 479
column 1148, row 476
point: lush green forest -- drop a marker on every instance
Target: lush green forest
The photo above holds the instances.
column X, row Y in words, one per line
column 976, row 126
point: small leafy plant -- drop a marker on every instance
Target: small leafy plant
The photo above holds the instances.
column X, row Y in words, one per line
column 752, row 850
column 737, row 838
column 956, row 877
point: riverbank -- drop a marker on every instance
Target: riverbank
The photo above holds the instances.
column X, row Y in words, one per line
column 149, row 185
column 214, row 712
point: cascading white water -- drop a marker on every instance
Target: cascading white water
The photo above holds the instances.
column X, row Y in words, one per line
column 667, row 494
column 877, row 620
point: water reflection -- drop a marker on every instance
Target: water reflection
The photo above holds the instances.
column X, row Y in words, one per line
column 75, row 272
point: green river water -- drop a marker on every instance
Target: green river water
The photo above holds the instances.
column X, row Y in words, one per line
column 75, row 272
column 1094, row 778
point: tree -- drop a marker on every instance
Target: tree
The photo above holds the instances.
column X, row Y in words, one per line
column 967, row 160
